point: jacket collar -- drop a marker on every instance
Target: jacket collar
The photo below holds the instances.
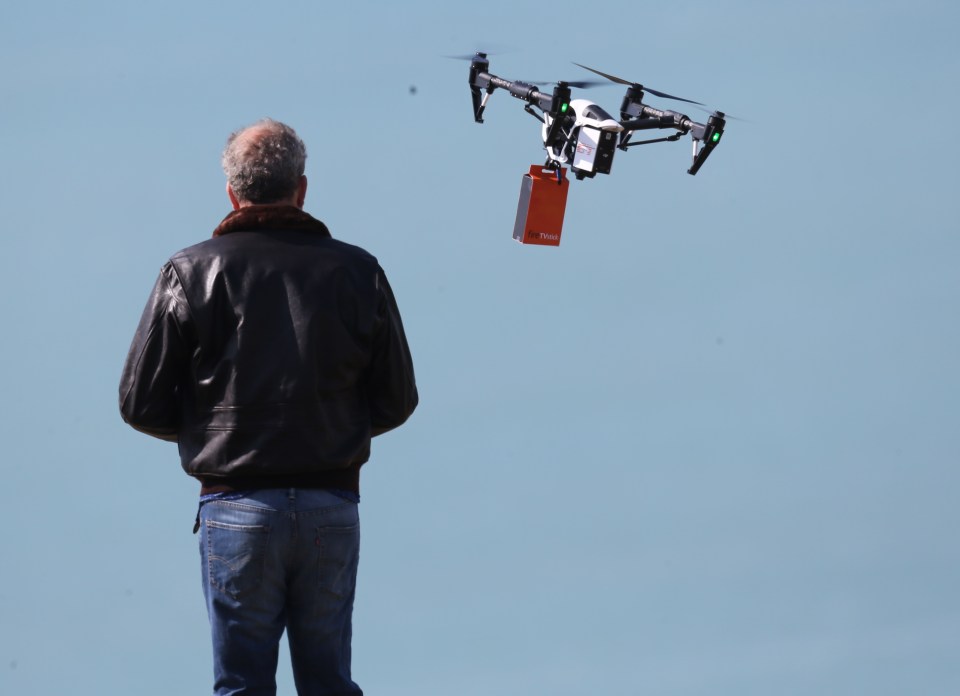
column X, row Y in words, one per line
column 270, row 217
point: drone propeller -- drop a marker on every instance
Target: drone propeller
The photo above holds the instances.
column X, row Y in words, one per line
column 621, row 81
column 581, row 84
column 478, row 54
column 723, row 115
column 484, row 49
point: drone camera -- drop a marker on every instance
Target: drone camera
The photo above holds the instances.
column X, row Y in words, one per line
column 593, row 152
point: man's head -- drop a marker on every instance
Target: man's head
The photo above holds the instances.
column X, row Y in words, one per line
column 264, row 163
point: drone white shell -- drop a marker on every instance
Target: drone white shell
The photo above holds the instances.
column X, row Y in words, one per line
column 587, row 116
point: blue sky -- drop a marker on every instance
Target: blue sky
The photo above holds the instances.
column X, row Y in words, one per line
column 708, row 445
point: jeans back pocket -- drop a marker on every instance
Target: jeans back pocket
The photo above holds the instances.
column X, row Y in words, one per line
column 236, row 555
column 338, row 559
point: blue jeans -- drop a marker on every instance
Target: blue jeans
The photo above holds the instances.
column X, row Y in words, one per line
column 276, row 559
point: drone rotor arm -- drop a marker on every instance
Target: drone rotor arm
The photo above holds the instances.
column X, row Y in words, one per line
column 521, row 90
column 648, row 117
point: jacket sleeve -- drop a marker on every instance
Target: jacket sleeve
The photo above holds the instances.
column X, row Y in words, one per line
column 150, row 383
column 392, row 387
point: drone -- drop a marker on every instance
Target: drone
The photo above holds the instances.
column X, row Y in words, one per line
column 579, row 133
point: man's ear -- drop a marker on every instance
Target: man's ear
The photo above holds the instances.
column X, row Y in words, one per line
column 234, row 201
column 301, row 191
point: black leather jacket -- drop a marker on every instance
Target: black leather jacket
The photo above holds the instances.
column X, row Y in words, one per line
column 271, row 353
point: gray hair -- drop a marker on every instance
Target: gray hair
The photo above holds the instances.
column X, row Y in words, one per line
column 264, row 162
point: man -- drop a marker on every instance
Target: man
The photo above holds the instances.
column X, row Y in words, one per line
column 271, row 354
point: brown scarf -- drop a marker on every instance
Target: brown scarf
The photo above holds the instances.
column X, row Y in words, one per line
column 270, row 217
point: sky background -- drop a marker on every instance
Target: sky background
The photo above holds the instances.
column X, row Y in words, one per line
column 707, row 446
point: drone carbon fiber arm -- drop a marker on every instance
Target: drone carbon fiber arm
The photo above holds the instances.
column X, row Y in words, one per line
column 521, row 90
column 487, row 82
column 554, row 104
column 647, row 117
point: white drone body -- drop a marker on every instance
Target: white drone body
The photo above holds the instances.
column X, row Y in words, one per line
column 589, row 143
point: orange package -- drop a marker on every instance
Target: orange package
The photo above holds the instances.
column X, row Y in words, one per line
column 543, row 199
